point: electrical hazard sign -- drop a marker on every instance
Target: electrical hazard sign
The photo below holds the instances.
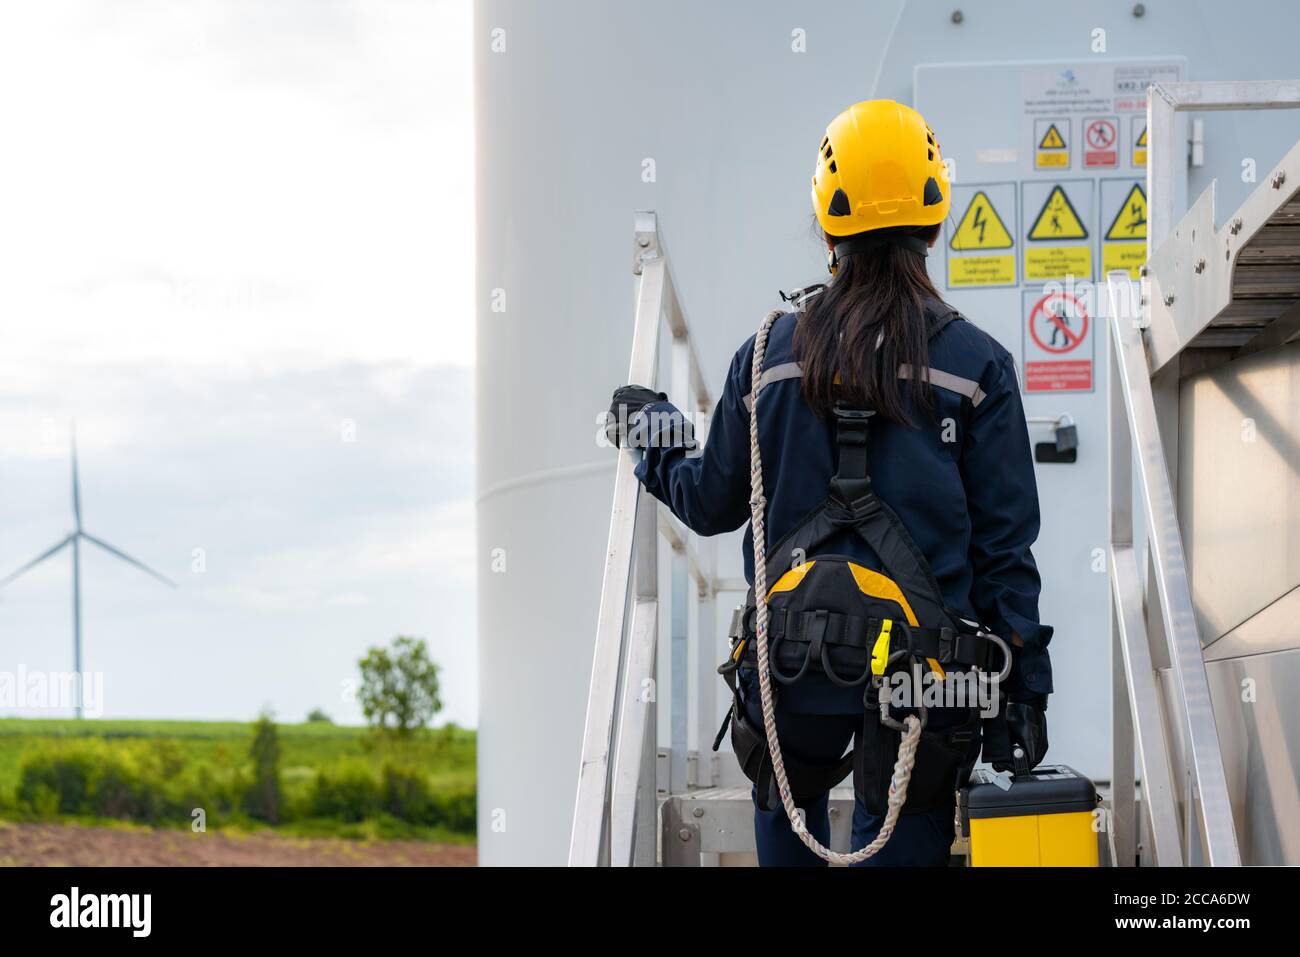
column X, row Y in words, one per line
column 981, row 246
column 981, row 227
column 1052, row 144
column 1056, row 230
column 1101, row 142
column 1123, row 245
column 1139, row 128
column 1057, row 353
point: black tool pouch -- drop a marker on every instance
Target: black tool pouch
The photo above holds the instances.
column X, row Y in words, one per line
column 944, row 759
column 807, row 781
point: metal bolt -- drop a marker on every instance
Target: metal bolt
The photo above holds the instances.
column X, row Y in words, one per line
column 1139, row 9
column 1236, row 226
column 643, row 242
column 1279, row 178
column 958, row 16
column 835, row 812
column 698, row 812
column 1200, row 265
column 1169, row 299
column 684, row 834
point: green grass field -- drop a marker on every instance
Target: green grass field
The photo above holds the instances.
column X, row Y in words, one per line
column 443, row 757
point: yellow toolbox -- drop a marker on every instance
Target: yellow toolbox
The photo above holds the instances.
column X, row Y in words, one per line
column 1043, row 819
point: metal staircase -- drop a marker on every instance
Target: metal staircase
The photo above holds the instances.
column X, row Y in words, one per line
column 1210, row 298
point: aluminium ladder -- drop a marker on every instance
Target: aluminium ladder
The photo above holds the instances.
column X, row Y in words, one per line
column 1208, row 296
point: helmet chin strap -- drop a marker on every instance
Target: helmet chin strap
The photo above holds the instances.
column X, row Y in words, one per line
column 872, row 242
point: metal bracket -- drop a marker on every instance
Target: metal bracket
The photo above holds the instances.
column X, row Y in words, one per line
column 645, row 240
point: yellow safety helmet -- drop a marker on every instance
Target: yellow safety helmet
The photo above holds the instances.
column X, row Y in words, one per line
column 879, row 167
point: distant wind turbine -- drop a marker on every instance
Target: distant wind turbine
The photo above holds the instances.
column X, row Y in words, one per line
column 73, row 540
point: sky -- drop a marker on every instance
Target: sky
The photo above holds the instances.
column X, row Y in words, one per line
column 236, row 247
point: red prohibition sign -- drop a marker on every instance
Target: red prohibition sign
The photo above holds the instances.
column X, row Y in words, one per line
column 1060, row 326
column 1101, row 134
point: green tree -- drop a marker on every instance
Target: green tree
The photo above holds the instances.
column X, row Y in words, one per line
column 399, row 686
column 265, row 796
column 318, row 716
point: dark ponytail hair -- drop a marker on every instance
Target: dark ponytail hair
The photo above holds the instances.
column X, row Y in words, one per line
column 868, row 322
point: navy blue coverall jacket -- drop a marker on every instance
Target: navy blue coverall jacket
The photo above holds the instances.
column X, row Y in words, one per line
column 963, row 484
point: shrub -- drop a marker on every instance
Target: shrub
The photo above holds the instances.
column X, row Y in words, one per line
column 153, row 781
column 265, row 796
column 127, row 780
column 456, row 809
column 66, row 769
column 117, row 789
column 349, row 791
column 406, row 794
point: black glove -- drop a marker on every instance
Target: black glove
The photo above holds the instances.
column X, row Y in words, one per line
column 1020, row 725
column 628, row 402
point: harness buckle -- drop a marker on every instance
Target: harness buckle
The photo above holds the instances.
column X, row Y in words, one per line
column 737, row 628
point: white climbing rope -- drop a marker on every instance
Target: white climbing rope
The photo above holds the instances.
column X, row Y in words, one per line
column 906, row 749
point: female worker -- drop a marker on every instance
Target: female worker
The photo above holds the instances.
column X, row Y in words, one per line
column 947, row 450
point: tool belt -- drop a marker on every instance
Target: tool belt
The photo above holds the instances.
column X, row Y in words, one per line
column 843, row 644
column 832, row 615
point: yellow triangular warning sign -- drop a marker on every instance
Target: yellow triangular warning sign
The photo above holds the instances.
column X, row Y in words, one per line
column 1057, row 219
column 1142, row 140
column 1052, row 139
column 981, row 227
column 1131, row 220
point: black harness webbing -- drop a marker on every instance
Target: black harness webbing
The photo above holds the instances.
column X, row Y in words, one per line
column 851, row 504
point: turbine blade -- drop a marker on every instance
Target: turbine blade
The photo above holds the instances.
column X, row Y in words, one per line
column 127, row 558
column 76, row 482
column 34, row 562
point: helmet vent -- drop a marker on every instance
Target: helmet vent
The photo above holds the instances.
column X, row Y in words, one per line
column 840, row 203
column 832, row 167
column 933, row 194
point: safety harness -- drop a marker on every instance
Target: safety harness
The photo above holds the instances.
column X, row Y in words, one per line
column 858, row 626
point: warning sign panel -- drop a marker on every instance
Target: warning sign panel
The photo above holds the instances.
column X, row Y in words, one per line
column 1057, row 343
column 1138, row 126
column 1058, row 219
column 1130, row 221
column 1057, row 237
column 1124, row 207
column 981, row 246
column 981, row 227
column 1052, row 144
column 1101, row 142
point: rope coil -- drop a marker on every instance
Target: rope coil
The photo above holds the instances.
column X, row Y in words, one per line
column 902, row 775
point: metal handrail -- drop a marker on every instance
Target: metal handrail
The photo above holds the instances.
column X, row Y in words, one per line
column 1137, row 431
column 614, row 814
column 1190, row 284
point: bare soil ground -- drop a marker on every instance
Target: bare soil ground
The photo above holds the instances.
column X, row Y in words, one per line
column 78, row 846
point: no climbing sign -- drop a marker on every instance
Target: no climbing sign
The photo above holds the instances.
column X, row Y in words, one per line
column 1057, row 343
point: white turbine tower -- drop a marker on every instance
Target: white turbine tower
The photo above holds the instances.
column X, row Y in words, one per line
column 73, row 540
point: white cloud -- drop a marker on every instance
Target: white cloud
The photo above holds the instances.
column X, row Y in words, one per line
column 227, row 182
column 229, row 228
